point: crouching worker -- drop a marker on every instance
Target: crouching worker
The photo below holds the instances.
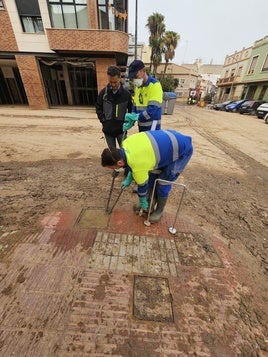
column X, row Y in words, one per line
column 167, row 151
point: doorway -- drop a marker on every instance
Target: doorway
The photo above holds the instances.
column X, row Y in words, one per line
column 11, row 86
column 71, row 82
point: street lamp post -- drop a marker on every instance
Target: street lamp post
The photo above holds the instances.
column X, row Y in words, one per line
column 136, row 28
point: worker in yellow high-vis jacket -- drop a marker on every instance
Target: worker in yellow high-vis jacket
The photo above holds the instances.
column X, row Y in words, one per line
column 167, row 151
column 148, row 97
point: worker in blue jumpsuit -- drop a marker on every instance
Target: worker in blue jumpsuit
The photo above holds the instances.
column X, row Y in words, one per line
column 165, row 150
column 147, row 101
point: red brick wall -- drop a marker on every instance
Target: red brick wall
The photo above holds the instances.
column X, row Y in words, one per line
column 87, row 40
column 92, row 14
column 31, row 79
column 101, row 68
column 7, row 38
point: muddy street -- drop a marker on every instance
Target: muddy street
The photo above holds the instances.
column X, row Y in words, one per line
column 50, row 162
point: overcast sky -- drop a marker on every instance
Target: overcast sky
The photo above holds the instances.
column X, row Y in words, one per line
column 209, row 29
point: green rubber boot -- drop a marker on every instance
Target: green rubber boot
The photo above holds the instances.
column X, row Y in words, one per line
column 157, row 214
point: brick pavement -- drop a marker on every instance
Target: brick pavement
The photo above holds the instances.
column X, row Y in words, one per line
column 68, row 290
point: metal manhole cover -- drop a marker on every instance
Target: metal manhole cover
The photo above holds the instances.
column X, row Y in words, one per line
column 92, row 218
column 152, row 299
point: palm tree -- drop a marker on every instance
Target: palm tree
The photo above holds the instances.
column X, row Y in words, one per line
column 156, row 26
column 171, row 39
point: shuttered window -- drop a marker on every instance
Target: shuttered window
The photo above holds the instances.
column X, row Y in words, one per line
column 28, row 7
column 253, row 65
column 265, row 65
column 30, row 16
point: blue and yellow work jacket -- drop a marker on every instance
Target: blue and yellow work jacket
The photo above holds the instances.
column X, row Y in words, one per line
column 150, row 150
column 148, row 104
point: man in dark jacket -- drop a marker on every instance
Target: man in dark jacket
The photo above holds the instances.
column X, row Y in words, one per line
column 113, row 102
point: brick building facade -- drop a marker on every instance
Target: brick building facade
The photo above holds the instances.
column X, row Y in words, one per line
column 56, row 53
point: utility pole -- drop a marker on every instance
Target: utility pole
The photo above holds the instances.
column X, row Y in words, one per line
column 136, row 28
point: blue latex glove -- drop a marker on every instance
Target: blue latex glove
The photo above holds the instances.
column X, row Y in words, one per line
column 128, row 125
column 144, row 203
column 131, row 117
column 127, row 181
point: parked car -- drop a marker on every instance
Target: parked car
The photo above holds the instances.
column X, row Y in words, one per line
column 250, row 107
column 262, row 110
column 266, row 119
column 234, row 107
column 221, row 106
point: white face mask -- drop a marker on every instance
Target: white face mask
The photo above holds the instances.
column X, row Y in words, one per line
column 138, row 82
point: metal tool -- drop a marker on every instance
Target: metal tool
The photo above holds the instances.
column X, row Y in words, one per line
column 115, row 202
column 172, row 229
column 147, row 222
column 114, row 175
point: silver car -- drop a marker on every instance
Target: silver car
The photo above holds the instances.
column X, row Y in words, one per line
column 262, row 110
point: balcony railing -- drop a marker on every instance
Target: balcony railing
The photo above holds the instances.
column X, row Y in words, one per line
column 228, row 80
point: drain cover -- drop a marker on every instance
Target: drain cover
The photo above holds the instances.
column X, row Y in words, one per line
column 152, row 299
column 92, row 218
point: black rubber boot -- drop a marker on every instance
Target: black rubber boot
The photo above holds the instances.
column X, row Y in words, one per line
column 157, row 214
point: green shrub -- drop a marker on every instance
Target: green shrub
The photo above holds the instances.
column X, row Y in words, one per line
column 168, row 82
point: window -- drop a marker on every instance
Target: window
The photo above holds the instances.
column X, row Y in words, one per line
column 71, row 14
column 1, row 5
column 112, row 14
column 253, row 65
column 32, row 24
column 30, row 16
column 265, row 65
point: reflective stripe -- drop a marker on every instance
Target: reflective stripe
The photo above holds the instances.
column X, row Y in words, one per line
column 155, row 148
column 149, row 123
column 175, row 145
column 145, row 123
column 146, row 115
column 154, row 124
column 140, row 108
column 155, row 171
column 154, row 102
